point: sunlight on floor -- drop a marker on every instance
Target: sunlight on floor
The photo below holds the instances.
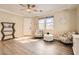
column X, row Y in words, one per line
column 25, row 39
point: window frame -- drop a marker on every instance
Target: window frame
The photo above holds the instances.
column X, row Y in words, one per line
column 45, row 19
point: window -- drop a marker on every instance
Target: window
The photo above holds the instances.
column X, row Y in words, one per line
column 49, row 23
column 42, row 24
column 46, row 23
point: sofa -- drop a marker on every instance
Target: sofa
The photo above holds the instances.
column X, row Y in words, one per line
column 67, row 37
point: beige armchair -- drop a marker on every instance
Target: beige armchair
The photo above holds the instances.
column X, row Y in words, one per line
column 38, row 34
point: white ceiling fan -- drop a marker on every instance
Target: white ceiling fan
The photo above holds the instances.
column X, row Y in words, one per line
column 30, row 8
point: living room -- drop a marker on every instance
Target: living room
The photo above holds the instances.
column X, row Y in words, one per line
column 33, row 30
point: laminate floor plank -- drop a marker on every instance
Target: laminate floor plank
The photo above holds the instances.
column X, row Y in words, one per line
column 28, row 46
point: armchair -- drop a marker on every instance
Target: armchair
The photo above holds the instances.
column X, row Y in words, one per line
column 48, row 37
column 38, row 34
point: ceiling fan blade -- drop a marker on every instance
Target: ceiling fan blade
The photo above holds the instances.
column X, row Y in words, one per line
column 22, row 9
column 35, row 10
column 38, row 10
column 22, row 5
column 33, row 6
column 30, row 8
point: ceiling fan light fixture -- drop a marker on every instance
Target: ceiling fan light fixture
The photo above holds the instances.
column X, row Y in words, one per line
column 29, row 10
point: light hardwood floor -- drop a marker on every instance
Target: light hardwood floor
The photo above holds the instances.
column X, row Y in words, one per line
column 27, row 46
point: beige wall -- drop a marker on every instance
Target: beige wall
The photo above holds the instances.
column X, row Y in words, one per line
column 23, row 26
column 77, row 19
column 6, row 17
column 65, row 21
column 72, row 18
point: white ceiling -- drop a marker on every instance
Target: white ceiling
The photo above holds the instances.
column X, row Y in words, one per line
column 47, row 9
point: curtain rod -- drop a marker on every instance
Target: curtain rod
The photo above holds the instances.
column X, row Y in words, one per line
column 46, row 17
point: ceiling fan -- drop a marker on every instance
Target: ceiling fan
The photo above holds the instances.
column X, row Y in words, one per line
column 30, row 8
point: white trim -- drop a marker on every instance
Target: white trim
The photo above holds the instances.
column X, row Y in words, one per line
column 10, row 12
